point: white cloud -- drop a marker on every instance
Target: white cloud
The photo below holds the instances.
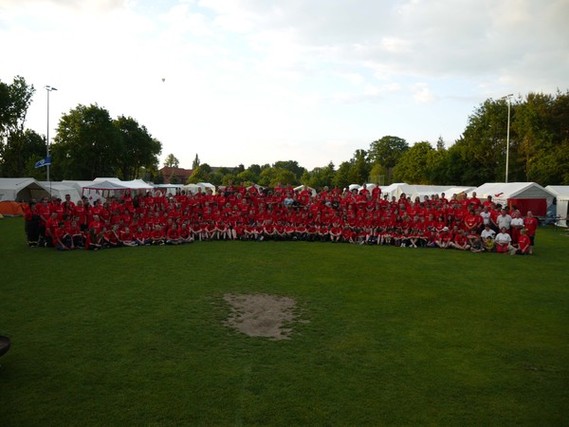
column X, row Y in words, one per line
column 262, row 80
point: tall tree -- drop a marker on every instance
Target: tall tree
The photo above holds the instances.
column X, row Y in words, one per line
column 171, row 161
column 342, row 176
column 387, row 151
column 480, row 153
column 87, row 144
column 200, row 174
column 196, row 162
column 360, row 168
column 292, row 166
column 319, row 177
column 542, row 126
column 271, row 177
column 15, row 99
column 412, row 166
column 21, row 152
column 140, row 150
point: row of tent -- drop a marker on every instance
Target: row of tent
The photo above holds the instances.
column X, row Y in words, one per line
column 524, row 195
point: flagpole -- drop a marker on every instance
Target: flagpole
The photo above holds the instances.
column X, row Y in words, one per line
column 48, row 89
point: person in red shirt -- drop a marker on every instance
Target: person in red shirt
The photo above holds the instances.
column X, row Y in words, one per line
column 173, row 236
column 524, row 243
column 61, row 238
column 443, row 239
column 126, row 237
column 77, row 236
column 158, row 236
column 142, row 236
column 111, row 237
column 530, row 224
column 460, row 241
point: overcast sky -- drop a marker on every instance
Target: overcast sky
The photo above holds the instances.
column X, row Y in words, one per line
column 257, row 81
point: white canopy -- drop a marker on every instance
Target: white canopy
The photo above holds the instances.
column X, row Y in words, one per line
column 502, row 191
column 561, row 193
column 21, row 189
column 60, row 189
column 396, row 189
column 305, row 187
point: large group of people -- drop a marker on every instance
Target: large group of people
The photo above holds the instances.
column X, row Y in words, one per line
column 359, row 216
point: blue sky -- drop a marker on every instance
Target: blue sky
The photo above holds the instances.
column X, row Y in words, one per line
column 257, row 81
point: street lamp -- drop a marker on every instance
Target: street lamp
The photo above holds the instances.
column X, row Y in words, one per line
column 48, row 89
column 508, row 98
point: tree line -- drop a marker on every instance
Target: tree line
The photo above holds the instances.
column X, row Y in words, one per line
column 90, row 143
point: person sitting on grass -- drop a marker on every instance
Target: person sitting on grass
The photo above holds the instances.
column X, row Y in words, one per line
column 126, row 237
column 443, row 238
column 503, row 242
column 173, row 236
column 158, row 236
column 460, row 241
column 61, row 239
column 524, row 243
column 476, row 245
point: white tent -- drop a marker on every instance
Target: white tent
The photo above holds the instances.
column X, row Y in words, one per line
column 524, row 195
column 102, row 190
column 206, row 185
column 396, row 189
column 305, row 187
column 60, row 189
column 21, row 189
column 561, row 193
column 191, row 188
column 429, row 190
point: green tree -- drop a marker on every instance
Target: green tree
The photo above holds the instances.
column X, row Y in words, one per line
column 319, row 177
column 360, row 168
column 377, row 174
column 200, row 174
column 140, row 150
column 15, row 99
column 271, row 177
column 387, row 151
column 342, row 176
column 196, row 162
column 292, row 166
column 479, row 155
column 542, row 126
column 171, row 161
column 22, row 151
column 87, row 144
column 247, row 176
column 413, row 165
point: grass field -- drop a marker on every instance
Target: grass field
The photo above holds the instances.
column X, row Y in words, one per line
column 393, row 336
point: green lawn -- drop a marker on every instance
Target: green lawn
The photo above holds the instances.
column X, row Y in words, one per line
column 394, row 336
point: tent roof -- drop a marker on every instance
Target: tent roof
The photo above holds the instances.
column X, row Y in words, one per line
column 397, row 188
column 509, row 190
column 105, row 185
column 21, row 189
column 559, row 191
column 15, row 183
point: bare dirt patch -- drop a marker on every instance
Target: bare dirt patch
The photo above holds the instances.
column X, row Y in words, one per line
column 261, row 315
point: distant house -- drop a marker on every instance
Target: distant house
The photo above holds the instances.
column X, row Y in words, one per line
column 175, row 175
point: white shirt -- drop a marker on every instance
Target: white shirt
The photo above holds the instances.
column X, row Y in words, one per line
column 504, row 221
column 517, row 222
column 503, row 238
column 485, row 217
column 487, row 233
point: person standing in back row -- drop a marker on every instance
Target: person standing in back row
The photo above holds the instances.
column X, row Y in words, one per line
column 530, row 224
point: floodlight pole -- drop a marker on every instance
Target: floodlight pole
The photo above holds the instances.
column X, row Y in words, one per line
column 48, row 89
column 508, row 98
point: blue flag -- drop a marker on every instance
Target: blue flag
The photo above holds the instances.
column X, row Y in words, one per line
column 43, row 162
